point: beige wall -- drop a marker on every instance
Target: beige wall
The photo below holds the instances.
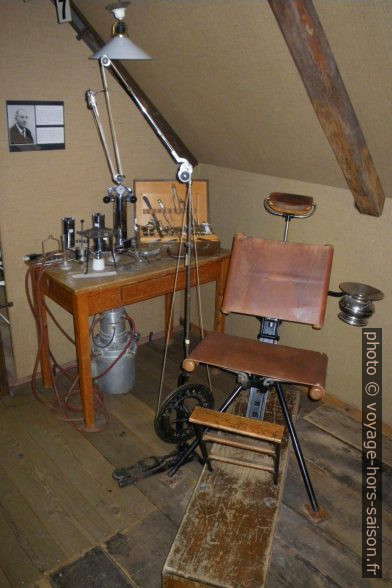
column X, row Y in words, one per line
column 41, row 60
column 362, row 253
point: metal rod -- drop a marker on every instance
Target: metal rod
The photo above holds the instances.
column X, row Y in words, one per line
column 188, row 256
column 92, row 104
column 231, row 398
column 287, row 220
column 111, row 123
column 297, row 447
column 105, row 61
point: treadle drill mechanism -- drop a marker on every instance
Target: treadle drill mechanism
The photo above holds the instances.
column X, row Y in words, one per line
column 172, row 426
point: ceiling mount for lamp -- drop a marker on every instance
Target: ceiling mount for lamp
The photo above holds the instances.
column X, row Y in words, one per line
column 120, row 46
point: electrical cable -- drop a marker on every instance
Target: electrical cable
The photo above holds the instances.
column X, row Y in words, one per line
column 62, row 405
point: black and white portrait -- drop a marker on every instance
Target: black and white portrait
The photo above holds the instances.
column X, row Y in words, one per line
column 21, row 122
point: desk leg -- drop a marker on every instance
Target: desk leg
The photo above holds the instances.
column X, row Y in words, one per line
column 44, row 356
column 4, row 388
column 168, row 326
column 219, row 318
column 82, row 341
column 39, row 302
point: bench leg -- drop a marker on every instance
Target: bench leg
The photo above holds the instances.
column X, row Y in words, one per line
column 297, row 448
column 277, row 463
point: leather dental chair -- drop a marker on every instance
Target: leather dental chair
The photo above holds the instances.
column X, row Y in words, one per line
column 286, row 281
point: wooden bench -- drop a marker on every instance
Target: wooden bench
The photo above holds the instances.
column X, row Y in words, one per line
column 225, row 538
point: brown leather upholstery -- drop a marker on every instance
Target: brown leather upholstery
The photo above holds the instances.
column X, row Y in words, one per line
column 281, row 280
column 280, row 363
column 292, row 204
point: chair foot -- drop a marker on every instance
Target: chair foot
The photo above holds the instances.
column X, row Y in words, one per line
column 315, row 516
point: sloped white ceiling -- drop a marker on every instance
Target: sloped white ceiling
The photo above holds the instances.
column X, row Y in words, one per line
column 224, row 79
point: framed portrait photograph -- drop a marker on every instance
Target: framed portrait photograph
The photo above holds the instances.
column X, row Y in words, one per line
column 35, row 126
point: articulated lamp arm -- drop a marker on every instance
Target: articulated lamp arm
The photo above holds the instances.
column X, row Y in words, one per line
column 184, row 172
column 117, row 175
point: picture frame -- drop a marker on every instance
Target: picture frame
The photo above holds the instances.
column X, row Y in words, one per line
column 35, row 125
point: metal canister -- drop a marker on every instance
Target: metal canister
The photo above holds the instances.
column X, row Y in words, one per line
column 107, row 347
column 68, row 231
column 98, row 222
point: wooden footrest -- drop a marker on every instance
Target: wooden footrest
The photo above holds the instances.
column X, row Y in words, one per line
column 241, row 426
column 233, row 423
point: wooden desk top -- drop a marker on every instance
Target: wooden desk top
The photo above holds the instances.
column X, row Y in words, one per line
column 138, row 283
column 133, row 274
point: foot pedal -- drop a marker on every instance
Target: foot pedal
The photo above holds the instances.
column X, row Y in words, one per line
column 149, row 466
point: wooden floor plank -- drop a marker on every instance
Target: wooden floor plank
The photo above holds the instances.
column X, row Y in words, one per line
column 340, row 425
column 123, row 449
column 42, row 582
column 330, row 558
column 59, row 505
column 16, row 566
column 141, row 550
column 138, row 417
column 30, row 533
column 291, row 569
column 342, row 504
column 85, row 468
column 94, row 570
column 339, row 458
column 4, row 583
column 118, row 445
column 353, row 412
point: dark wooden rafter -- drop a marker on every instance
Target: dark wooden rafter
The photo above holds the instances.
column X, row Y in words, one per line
column 86, row 32
column 312, row 54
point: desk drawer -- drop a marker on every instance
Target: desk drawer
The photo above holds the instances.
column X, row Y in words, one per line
column 149, row 289
column 165, row 284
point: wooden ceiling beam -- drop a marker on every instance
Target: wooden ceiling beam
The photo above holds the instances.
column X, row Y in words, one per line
column 312, row 54
column 86, row 32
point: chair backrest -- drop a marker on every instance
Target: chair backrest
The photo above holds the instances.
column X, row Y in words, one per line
column 287, row 281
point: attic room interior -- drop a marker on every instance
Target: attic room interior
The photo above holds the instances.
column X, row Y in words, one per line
column 157, row 210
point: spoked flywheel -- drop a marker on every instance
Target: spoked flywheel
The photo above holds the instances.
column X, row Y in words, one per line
column 172, row 421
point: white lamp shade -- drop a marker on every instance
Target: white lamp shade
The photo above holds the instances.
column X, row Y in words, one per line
column 120, row 47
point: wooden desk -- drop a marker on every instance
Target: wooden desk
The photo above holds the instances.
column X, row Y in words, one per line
column 84, row 297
